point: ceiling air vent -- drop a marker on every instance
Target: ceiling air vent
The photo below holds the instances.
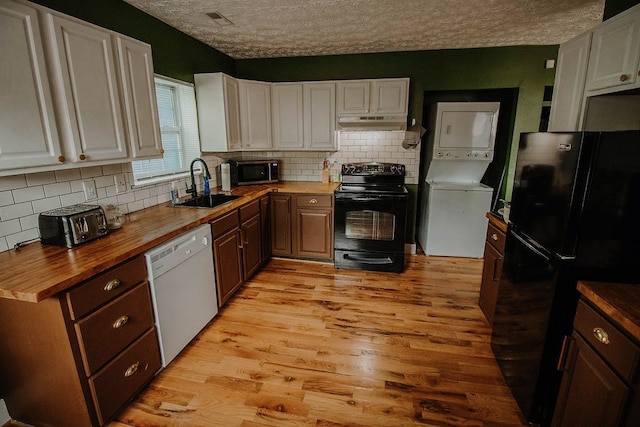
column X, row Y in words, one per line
column 219, row 19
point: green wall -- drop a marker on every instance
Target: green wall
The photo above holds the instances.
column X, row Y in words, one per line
column 174, row 53
column 456, row 69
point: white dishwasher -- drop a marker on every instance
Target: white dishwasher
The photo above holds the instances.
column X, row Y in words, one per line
column 183, row 289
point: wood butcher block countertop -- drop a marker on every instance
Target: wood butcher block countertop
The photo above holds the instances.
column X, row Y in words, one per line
column 619, row 301
column 36, row 271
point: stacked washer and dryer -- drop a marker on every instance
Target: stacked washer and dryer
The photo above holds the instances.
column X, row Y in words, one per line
column 454, row 202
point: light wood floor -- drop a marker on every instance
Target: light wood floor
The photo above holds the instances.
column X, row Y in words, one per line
column 303, row 344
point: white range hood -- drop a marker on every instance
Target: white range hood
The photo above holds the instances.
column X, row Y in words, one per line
column 372, row 123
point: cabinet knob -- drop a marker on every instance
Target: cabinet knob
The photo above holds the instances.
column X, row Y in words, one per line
column 601, row 335
column 112, row 284
column 61, row 159
column 131, row 369
column 161, row 151
column 120, row 322
column 313, row 201
column 494, row 237
column 624, row 77
column 82, row 157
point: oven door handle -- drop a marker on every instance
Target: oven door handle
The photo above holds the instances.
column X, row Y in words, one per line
column 369, row 260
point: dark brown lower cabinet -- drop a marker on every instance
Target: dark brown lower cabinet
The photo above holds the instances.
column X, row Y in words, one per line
column 80, row 356
column 600, row 368
column 237, row 253
column 265, row 227
column 280, row 224
column 302, row 226
column 491, row 270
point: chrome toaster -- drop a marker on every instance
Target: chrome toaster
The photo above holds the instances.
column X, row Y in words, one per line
column 72, row 225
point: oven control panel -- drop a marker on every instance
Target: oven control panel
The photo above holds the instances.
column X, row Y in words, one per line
column 373, row 169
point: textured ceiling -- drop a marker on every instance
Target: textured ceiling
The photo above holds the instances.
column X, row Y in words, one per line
column 281, row 28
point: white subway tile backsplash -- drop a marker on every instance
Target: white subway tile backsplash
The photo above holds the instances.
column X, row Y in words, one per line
column 12, row 182
column 57, row 189
column 72, row 198
column 67, row 175
column 30, row 221
column 9, row 227
column 6, row 198
column 22, row 236
column 91, row 172
column 46, row 204
column 40, row 178
column 15, row 211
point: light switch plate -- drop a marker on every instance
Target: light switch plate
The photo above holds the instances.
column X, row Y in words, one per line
column 90, row 192
column 120, row 182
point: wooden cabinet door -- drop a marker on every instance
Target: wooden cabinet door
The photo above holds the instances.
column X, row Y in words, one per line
column 255, row 114
column 90, row 99
column 490, row 281
column 139, row 98
column 251, row 245
column 353, row 97
column 320, row 115
column 265, row 228
column 313, row 233
column 614, row 57
column 27, row 121
column 228, row 264
column 288, row 121
column 568, row 91
column 591, row 394
column 280, row 224
column 390, row 96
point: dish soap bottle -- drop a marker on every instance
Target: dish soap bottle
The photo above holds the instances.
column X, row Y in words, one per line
column 174, row 193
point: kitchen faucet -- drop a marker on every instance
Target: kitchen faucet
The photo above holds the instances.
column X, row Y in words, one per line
column 193, row 190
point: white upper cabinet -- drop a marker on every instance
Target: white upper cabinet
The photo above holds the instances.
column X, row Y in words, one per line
column 353, row 97
column 614, row 62
column 304, row 116
column 381, row 96
column 218, row 101
column 255, row 115
column 28, row 131
column 571, row 72
column 73, row 94
column 320, row 116
column 288, row 115
column 139, row 98
column 84, row 66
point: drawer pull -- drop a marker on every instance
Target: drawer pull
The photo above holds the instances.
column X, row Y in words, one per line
column 601, row 335
column 120, row 322
column 624, row 77
column 494, row 237
column 112, row 285
column 131, row 369
column 313, row 201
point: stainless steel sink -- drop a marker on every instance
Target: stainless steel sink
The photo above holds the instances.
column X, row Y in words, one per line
column 210, row 201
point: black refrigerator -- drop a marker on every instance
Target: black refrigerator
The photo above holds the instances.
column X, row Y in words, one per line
column 575, row 214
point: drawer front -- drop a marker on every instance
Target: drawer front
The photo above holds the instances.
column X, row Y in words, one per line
column 121, row 379
column 225, row 223
column 314, row 200
column 250, row 210
column 106, row 332
column 105, row 286
column 496, row 237
column 618, row 350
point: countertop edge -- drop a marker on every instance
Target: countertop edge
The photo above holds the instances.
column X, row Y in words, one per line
column 188, row 218
column 619, row 301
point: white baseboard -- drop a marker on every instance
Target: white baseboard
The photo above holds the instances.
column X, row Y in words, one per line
column 410, row 248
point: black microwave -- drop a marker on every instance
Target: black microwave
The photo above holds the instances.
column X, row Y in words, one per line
column 248, row 172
